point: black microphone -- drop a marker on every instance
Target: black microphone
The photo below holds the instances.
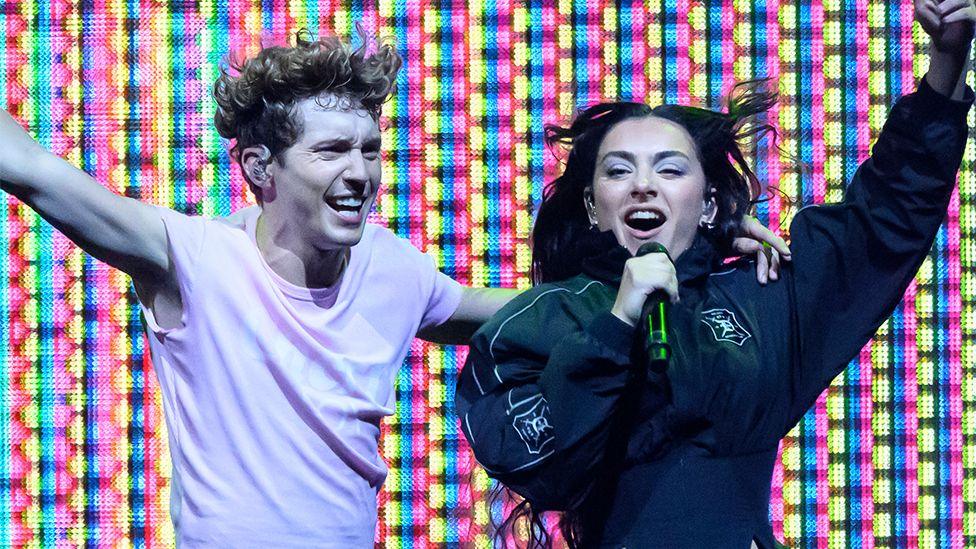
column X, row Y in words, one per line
column 655, row 317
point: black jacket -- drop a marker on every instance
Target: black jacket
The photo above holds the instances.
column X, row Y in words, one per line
column 557, row 407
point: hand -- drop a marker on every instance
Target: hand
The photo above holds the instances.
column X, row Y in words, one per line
column 950, row 23
column 770, row 250
column 643, row 276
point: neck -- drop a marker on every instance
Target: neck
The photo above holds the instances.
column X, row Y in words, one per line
column 294, row 260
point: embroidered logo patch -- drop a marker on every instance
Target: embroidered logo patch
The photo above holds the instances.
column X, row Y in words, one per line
column 724, row 326
column 533, row 426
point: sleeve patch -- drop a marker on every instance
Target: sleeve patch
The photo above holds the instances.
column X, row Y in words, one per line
column 533, row 426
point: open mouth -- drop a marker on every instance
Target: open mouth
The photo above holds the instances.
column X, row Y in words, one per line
column 346, row 206
column 645, row 220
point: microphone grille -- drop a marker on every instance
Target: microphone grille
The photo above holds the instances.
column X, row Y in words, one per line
column 651, row 248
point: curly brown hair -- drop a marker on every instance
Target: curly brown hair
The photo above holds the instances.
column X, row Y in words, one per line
column 256, row 98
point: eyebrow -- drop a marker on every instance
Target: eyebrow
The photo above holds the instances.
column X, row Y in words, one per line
column 659, row 156
column 332, row 141
column 346, row 141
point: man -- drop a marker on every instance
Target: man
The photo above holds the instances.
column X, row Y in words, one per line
column 275, row 333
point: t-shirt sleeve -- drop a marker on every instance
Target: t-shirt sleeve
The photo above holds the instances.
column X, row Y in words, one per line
column 185, row 236
column 408, row 270
column 444, row 296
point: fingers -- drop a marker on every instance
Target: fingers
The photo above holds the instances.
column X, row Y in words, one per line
column 959, row 16
column 779, row 245
column 769, row 248
column 663, row 279
column 774, row 264
column 642, row 277
column 752, row 228
column 653, row 272
column 762, row 267
column 768, row 263
column 928, row 16
column 951, row 6
column 939, row 14
column 746, row 246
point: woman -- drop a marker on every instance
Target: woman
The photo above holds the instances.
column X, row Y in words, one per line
column 559, row 402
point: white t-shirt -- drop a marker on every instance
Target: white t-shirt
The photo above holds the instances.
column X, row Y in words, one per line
column 274, row 393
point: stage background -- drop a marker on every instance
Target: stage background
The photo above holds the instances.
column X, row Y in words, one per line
column 122, row 89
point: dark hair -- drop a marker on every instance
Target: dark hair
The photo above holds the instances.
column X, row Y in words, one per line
column 562, row 222
column 256, row 98
column 524, row 517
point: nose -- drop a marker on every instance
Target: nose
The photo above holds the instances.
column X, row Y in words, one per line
column 356, row 174
column 644, row 185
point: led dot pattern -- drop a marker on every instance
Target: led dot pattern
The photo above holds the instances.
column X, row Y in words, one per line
column 121, row 88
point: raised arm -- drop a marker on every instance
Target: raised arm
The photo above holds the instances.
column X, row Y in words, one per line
column 853, row 261
column 120, row 231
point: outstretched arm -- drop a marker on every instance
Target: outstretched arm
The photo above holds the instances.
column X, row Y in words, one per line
column 120, row 231
column 852, row 261
column 476, row 307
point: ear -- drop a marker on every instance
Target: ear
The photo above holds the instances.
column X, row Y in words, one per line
column 257, row 166
column 589, row 205
column 709, row 210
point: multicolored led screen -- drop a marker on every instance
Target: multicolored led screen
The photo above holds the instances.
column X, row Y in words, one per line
column 121, row 88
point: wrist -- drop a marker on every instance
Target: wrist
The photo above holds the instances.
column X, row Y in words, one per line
column 622, row 315
column 947, row 70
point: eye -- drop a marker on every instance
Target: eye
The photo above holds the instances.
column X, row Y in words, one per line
column 617, row 171
column 671, row 170
column 371, row 154
column 332, row 151
column 329, row 153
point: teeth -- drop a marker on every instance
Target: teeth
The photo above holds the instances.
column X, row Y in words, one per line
column 349, row 202
column 644, row 214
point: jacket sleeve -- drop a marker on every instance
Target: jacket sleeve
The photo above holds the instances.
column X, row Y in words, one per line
column 852, row 261
column 537, row 393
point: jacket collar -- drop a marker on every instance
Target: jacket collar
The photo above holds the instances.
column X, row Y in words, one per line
column 604, row 258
